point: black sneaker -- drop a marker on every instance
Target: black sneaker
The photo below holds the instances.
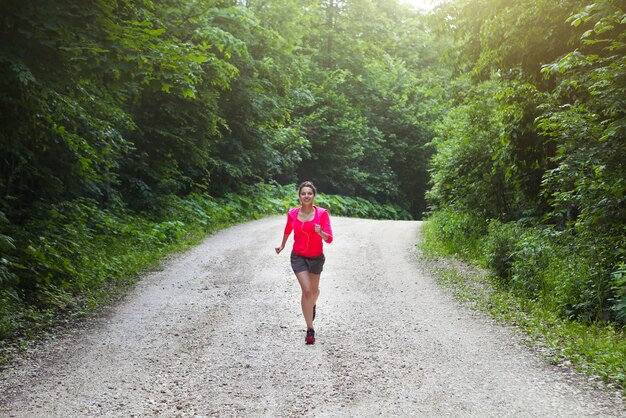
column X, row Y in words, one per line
column 314, row 306
column 310, row 336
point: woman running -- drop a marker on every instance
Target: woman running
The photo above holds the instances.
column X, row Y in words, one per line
column 311, row 225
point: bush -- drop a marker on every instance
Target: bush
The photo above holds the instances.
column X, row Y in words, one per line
column 584, row 279
column 530, row 272
column 573, row 274
column 500, row 247
column 460, row 233
column 9, row 303
column 357, row 207
column 561, row 270
column 169, row 231
column 619, row 287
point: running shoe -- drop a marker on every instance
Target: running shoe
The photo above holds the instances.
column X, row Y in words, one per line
column 314, row 306
column 310, row 336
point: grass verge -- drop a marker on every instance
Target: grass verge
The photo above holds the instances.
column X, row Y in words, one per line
column 598, row 348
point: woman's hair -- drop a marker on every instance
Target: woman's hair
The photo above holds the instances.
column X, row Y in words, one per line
column 307, row 184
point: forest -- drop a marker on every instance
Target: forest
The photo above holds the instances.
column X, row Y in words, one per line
column 131, row 125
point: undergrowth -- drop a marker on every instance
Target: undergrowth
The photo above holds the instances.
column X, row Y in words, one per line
column 527, row 288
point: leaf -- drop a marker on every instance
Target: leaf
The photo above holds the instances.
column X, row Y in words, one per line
column 188, row 93
column 587, row 34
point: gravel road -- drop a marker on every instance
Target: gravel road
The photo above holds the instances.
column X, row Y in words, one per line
column 218, row 332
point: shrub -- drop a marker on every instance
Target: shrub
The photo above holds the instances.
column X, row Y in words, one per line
column 500, row 247
column 169, row 231
column 574, row 274
column 460, row 233
column 584, row 278
column 9, row 302
column 357, row 207
column 531, row 258
column 619, row 287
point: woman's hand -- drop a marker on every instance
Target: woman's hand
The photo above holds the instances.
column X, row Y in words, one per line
column 279, row 249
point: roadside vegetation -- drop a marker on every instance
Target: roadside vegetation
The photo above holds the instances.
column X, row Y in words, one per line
column 133, row 128
column 467, row 263
column 528, row 173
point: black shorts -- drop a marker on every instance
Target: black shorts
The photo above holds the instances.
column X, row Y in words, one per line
column 311, row 264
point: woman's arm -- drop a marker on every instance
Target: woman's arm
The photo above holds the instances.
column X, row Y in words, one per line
column 282, row 244
column 324, row 235
column 288, row 229
column 323, row 229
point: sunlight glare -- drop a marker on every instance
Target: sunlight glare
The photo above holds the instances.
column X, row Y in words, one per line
column 422, row 4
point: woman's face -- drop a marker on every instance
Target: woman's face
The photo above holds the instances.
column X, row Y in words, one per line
column 306, row 195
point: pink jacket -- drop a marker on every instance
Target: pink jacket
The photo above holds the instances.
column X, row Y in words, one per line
column 306, row 242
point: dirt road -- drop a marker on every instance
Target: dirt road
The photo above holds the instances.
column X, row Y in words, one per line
column 218, row 332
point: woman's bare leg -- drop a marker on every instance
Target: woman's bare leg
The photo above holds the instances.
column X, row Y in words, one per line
column 309, row 283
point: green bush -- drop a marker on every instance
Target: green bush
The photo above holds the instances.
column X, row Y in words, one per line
column 619, row 287
column 9, row 312
column 563, row 271
column 522, row 259
column 500, row 247
column 531, row 258
column 573, row 274
column 6, row 244
column 169, row 231
column 460, row 233
column 583, row 278
column 356, row 207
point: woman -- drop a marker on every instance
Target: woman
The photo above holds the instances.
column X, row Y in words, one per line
column 311, row 225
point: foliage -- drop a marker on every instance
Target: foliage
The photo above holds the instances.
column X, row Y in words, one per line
column 568, row 274
column 533, row 144
column 131, row 127
column 500, row 247
column 459, row 233
column 465, row 173
column 589, row 125
column 139, row 124
column 125, row 102
column 357, row 207
column 619, row 286
column 369, row 118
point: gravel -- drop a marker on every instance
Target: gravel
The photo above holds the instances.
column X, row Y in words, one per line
column 218, row 332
